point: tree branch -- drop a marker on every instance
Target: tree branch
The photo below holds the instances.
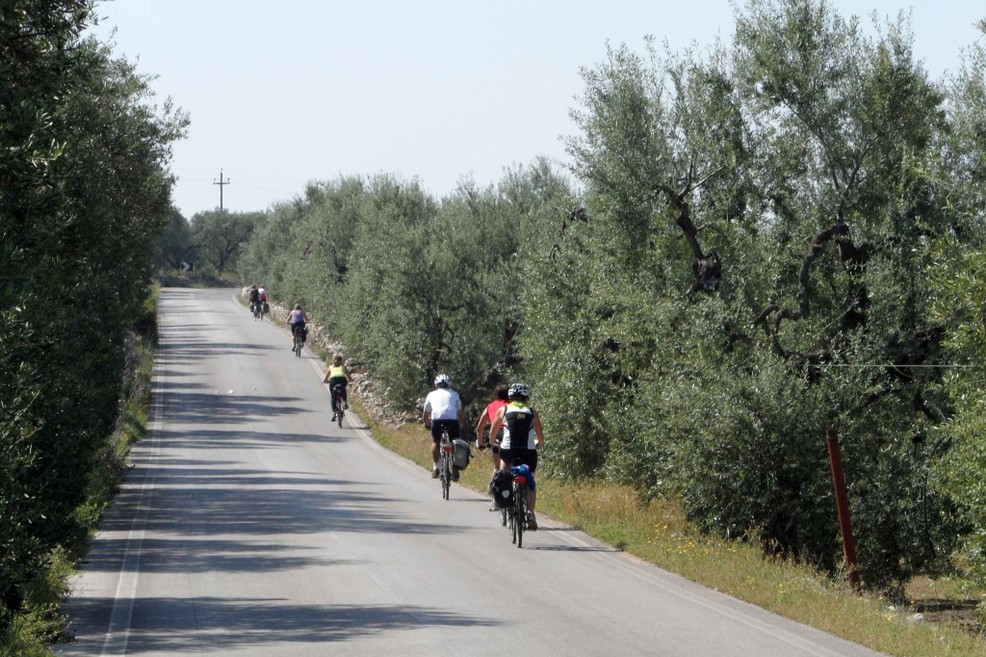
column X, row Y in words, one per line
column 706, row 267
column 804, row 291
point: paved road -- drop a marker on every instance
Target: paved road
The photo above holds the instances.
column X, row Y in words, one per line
column 252, row 526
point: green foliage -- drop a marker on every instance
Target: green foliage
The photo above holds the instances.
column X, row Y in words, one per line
column 217, row 237
column 175, row 245
column 720, row 390
column 411, row 286
column 83, row 159
column 959, row 276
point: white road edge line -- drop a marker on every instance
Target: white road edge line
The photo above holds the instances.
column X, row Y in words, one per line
column 118, row 630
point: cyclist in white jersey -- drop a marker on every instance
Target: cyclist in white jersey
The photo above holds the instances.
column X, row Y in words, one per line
column 442, row 410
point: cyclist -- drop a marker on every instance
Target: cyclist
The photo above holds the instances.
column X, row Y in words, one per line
column 264, row 296
column 486, row 420
column 442, row 410
column 297, row 320
column 522, row 435
column 337, row 375
column 254, row 298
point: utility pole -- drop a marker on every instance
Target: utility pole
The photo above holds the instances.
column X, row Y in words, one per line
column 221, row 185
column 842, row 504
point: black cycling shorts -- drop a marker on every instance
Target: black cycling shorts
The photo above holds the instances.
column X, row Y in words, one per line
column 438, row 425
column 516, row 456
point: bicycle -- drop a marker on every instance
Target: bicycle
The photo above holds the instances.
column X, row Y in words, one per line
column 517, row 514
column 495, row 447
column 338, row 401
column 299, row 341
column 257, row 310
column 446, row 449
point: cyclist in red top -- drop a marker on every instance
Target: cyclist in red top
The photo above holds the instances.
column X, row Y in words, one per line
column 485, row 421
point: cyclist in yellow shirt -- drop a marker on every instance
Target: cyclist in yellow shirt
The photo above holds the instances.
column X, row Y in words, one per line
column 337, row 375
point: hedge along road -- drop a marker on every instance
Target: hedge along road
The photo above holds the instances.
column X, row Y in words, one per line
column 251, row 525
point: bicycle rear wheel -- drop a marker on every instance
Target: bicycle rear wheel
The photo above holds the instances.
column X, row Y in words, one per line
column 520, row 510
column 445, row 475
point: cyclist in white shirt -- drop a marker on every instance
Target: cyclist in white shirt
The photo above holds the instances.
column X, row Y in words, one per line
column 442, row 410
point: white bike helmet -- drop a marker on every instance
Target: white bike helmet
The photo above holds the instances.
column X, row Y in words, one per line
column 519, row 391
column 442, row 381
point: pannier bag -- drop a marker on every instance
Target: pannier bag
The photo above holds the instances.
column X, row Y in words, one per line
column 503, row 489
column 266, row 307
column 461, row 454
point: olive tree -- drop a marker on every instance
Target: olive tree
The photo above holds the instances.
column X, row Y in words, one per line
column 746, row 274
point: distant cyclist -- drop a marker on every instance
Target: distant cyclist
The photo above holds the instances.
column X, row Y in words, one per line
column 486, row 420
column 264, row 296
column 522, row 435
column 254, row 298
column 442, row 410
column 337, row 375
column 297, row 320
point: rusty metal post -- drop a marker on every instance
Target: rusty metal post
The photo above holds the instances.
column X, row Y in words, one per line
column 842, row 502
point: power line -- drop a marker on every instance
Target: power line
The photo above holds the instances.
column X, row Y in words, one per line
column 898, row 367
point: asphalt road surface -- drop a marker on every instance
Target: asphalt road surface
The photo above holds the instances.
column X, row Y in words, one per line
column 251, row 525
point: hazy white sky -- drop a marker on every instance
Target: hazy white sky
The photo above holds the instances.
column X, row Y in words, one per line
column 282, row 93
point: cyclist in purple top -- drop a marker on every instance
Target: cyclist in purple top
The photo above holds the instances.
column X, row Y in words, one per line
column 296, row 320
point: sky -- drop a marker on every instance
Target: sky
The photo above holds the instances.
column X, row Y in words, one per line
column 284, row 93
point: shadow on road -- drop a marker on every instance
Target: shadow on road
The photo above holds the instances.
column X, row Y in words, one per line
column 221, row 623
column 222, row 408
